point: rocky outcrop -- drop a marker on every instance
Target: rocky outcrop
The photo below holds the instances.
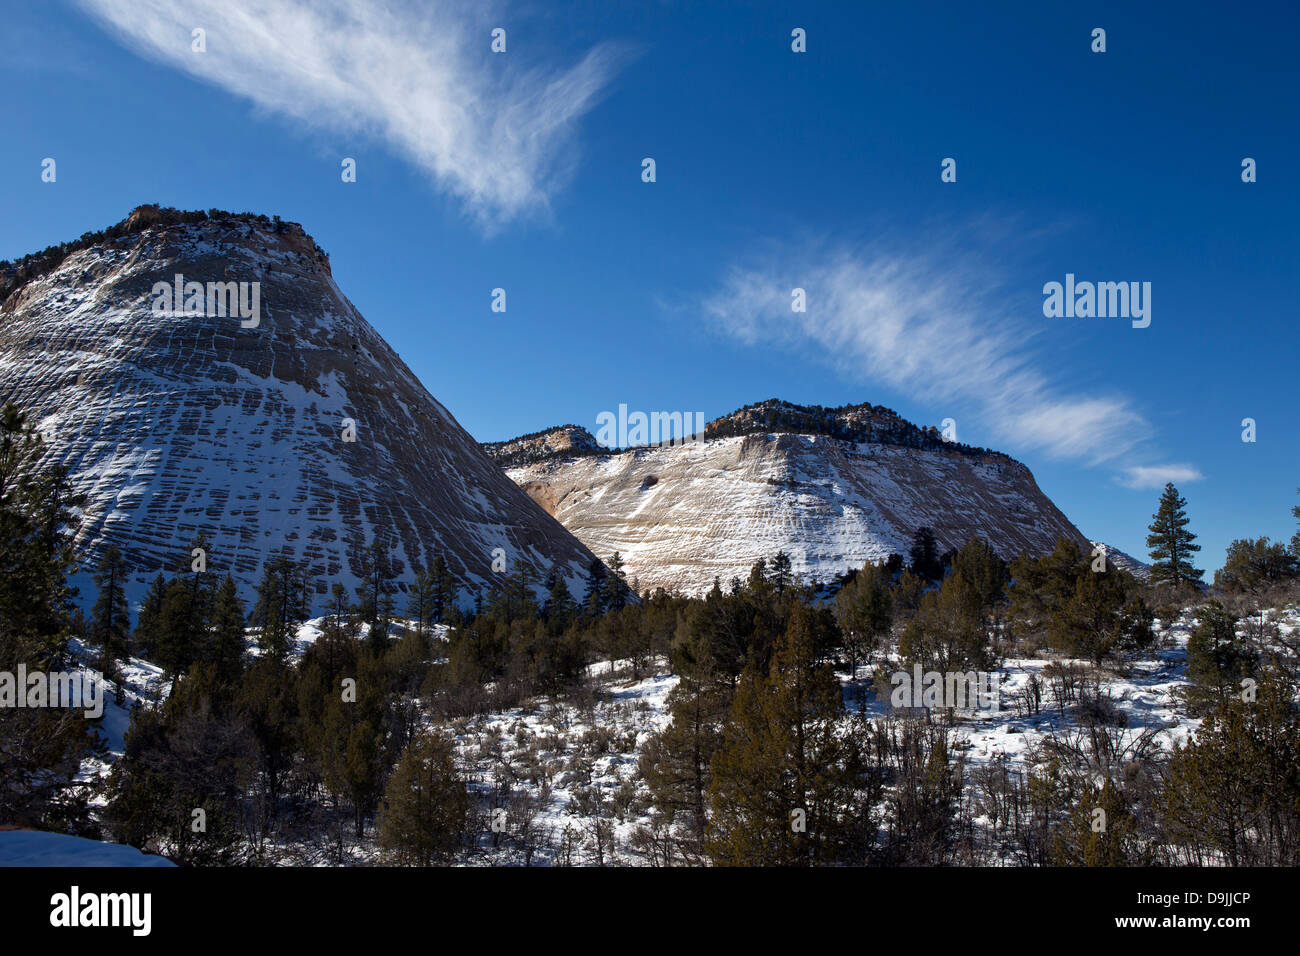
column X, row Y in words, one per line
column 303, row 434
column 563, row 441
column 682, row 515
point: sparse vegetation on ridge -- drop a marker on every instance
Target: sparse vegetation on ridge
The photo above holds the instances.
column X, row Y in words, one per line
column 14, row 275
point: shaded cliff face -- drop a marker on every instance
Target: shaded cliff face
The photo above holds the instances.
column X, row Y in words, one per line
column 682, row 515
column 177, row 424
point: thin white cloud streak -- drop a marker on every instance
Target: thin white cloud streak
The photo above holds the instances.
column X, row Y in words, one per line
column 914, row 324
column 418, row 76
column 1142, row 477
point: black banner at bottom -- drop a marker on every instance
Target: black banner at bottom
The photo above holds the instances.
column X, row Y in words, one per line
column 332, row 907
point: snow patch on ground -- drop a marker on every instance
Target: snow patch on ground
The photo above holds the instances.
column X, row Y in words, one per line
column 37, row 848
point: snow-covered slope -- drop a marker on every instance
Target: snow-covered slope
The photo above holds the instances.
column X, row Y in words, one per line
column 38, row 848
column 681, row 515
column 176, row 424
column 1125, row 562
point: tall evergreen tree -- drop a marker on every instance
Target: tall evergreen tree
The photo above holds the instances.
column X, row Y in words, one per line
column 426, row 811
column 38, row 515
column 147, row 636
column 1171, row 544
column 226, row 639
column 340, row 610
column 676, row 764
column 614, row 588
column 925, row 554
column 200, row 584
column 864, row 611
column 787, row 782
column 560, row 609
column 433, row 595
column 419, row 607
column 444, row 590
column 180, row 633
column 41, row 749
column 781, row 576
column 593, row 598
column 280, row 606
column 111, row 617
column 373, row 567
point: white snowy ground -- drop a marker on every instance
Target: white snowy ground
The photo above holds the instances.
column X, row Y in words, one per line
column 600, row 748
column 547, row 758
column 1146, row 693
column 35, row 848
column 553, row 756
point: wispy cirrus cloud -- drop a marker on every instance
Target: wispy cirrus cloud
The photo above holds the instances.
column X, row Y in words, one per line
column 915, row 323
column 1142, row 477
column 418, row 75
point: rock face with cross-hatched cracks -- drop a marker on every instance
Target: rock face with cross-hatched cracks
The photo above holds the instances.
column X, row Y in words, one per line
column 178, row 424
column 832, row 488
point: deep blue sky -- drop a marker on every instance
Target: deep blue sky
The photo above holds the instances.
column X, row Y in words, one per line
column 774, row 169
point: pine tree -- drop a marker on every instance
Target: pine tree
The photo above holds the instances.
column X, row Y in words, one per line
column 426, row 805
column 781, row 576
column 864, row 611
column 374, row 569
column 676, row 763
column 267, row 703
column 787, row 782
column 1230, row 794
column 614, row 587
column 560, row 609
column 434, row 595
column 111, row 617
column 1171, row 544
column 925, row 554
column 226, row 640
column 1100, row 619
column 593, row 599
column 38, row 515
column 340, row 610
column 177, row 640
column 41, row 749
column 906, row 594
column 201, row 591
column 1254, row 565
column 420, row 606
column 950, row 630
column 444, row 590
column 982, row 569
column 147, row 625
column 1217, row 660
column 179, row 634
column 360, row 772
column 280, row 606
